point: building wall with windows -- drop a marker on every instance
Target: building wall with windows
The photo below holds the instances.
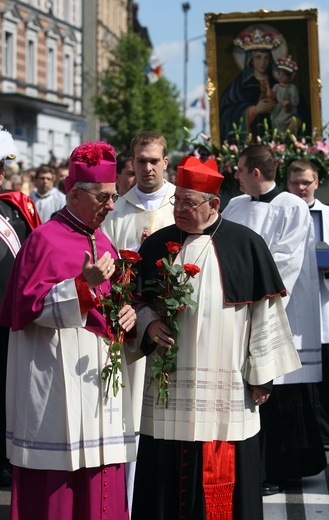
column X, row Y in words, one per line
column 112, row 23
column 41, row 76
column 104, row 23
column 52, row 53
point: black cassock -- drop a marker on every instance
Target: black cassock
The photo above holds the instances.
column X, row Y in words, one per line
column 168, row 482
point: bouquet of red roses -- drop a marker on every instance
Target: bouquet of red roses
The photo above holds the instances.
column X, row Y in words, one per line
column 173, row 295
column 121, row 294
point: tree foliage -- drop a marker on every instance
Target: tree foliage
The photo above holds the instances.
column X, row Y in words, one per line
column 129, row 104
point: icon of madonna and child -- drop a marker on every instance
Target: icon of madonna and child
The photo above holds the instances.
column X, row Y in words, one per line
column 265, row 89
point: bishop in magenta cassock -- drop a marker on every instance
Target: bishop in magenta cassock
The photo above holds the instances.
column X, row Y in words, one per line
column 67, row 443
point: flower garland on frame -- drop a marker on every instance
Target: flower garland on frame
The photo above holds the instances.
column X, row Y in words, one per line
column 287, row 147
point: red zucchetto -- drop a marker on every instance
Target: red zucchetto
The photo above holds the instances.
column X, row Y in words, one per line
column 193, row 174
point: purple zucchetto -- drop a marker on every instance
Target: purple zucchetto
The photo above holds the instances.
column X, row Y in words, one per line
column 91, row 162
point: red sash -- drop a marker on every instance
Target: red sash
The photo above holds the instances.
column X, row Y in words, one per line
column 218, row 479
column 25, row 205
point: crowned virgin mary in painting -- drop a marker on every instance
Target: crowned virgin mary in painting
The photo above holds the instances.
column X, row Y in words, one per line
column 249, row 100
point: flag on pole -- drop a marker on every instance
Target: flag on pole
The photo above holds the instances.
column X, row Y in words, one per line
column 153, row 70
column 199, row 102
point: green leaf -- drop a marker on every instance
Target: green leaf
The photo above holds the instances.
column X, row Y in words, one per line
column 171, row 303
column 117, row 287
column 129, row 287
column 114, row 315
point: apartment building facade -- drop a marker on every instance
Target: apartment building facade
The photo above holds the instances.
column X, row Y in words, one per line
column 52, row 53
column 41, row 76
column 104, row 23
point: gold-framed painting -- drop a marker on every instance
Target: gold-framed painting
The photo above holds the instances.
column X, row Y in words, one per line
column 263, row 71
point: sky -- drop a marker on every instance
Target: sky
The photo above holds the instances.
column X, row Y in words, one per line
column 165, row 21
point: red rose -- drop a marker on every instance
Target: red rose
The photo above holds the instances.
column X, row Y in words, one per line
column 159, row 263
column 191, row 269
column 130, row 256
column 173, row 247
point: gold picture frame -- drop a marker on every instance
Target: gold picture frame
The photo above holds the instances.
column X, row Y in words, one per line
column 230, row 38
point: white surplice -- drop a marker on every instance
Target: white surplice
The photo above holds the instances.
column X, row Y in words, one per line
column 324, row 282
column 64, row 366
column 124, row 226
column 286, row 226
column 222, row 349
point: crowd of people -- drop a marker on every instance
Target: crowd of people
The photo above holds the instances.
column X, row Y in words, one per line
column 248, row 406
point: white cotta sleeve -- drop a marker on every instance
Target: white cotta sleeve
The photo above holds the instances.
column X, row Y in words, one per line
column 61, row 308
column 272, row 352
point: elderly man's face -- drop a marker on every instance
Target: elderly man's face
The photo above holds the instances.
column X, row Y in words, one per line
column 192, row 213
column 89, row 207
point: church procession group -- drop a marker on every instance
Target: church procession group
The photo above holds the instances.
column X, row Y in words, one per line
column 162, row 357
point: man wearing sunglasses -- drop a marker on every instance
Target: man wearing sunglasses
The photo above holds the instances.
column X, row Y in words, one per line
column 67, row 442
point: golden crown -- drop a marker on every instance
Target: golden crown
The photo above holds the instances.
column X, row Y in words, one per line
column 286, row 64
column 258, row 39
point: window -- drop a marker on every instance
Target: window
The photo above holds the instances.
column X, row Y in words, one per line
column 30, row 62
column 8, row 54
column 67, row 145
column 50, row 140
column 68, row 74
column 51, row 68
column 67, row 10
column 9, row 46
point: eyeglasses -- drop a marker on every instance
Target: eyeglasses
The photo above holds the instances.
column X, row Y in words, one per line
column 186, row 204
column 304, row 184
column 103, row 198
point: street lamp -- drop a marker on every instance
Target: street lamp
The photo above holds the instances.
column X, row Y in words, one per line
column 185, row 6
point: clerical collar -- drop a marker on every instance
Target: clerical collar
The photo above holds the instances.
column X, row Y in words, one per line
column 210, row 230
column 269, row 195
column 311, row 205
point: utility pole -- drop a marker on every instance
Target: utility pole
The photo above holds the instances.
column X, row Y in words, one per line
column 185, row 6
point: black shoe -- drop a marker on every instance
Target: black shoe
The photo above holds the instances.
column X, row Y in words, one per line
column 5, row 477
column 272, row 488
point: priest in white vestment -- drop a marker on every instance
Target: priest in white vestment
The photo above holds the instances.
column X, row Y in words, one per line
column 303, row 181
column 145, row 208
column 291, row 439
